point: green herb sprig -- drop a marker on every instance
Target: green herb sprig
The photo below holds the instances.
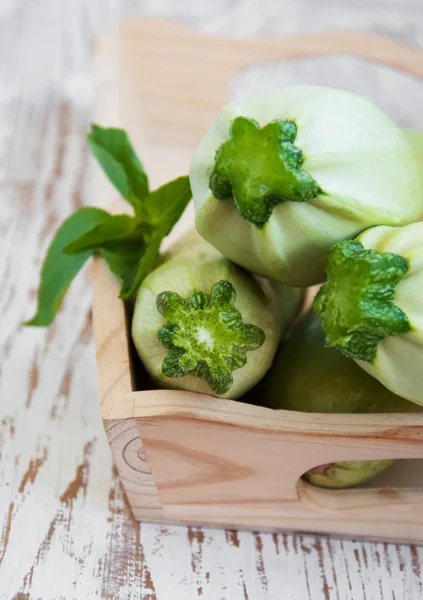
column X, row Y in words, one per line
column 128, row 243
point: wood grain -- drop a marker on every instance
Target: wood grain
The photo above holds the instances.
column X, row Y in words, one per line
column 222, row 462
column 66, row 531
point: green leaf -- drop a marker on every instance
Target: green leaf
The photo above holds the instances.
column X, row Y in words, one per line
column 123, row 267
column 59, row 269
column 129, row 244
column 116, row 155
column 117, row 233
column 144, row 266
column 113, row 227
column 165, row 205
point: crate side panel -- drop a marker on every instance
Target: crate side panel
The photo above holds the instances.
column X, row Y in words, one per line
column 133, row 468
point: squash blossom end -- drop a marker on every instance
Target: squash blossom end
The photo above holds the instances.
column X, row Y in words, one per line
column 205, row 335
column 260, row 167
column 357, row 302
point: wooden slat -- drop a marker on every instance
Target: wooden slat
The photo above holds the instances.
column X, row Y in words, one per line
column 224, row 462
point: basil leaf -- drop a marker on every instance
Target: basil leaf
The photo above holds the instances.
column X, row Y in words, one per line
column 59, row 269
column 129, row 244
column 165, row 205
column 123, row 267
column 112, row 228
column 116, row 155
column 144, row 266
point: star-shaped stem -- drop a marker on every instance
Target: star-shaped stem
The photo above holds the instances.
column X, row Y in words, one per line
column 205, row 335
column 356, row 304
column 259, row 167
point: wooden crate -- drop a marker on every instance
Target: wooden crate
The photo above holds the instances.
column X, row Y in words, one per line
column 189, row 458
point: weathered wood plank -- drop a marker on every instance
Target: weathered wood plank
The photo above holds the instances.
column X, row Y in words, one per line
column 65, row 529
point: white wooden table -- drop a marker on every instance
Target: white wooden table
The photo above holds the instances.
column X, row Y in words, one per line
column 66, row 530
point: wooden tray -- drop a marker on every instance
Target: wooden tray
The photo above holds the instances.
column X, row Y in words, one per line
column 189, row 458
